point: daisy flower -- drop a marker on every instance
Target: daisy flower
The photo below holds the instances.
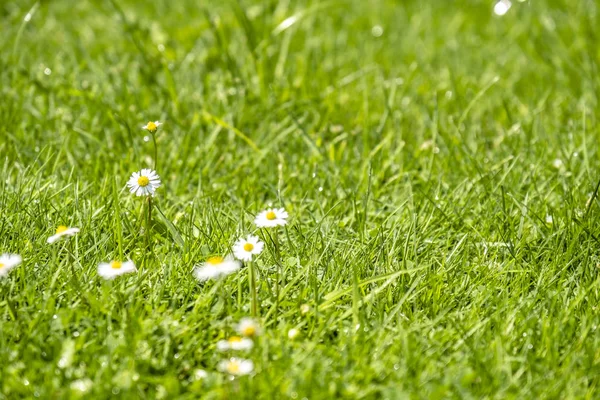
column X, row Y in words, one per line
column 235, row 343
column 236, row 366
column 244, row 249
column 271, row 218
column 152, row 126
column 8, row 262
column 248, row 327
column 115, row 268
column 216, row 267
column 62, row 231
column 144, row 183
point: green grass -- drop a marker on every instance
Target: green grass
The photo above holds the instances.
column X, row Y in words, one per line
column 418, row 168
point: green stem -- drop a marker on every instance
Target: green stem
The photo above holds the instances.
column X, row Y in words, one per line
column 278, row 283
column 155, row 151
column 148, row 226
column 253, row 290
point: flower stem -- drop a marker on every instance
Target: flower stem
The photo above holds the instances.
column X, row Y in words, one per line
column 278, row 283
column 148, row 244
column 253, row 290
column 155, row 151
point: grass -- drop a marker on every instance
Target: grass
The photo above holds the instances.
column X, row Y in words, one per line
column 418, row 164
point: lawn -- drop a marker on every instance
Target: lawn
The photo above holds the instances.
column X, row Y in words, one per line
column 438, row 163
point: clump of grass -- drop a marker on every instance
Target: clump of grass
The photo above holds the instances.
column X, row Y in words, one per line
column 438, row 162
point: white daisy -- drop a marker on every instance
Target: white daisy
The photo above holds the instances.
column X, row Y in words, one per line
column 144, row 183
column 235, row 343
column 216, row 267
column 244, row 249
column 236, row 366
column 248, row 327
column 152, row 126
column 271, row 218
column 115, row 268
column 62, row 231
column 8, row 262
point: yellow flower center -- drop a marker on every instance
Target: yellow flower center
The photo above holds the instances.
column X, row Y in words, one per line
column 215, row 260
column 143, row 181
column 115, row 264
column 271, row 215
column 151, row 126
column 1, row 265
column 248, row 247
column 61, row 229
column 249, row 331
column 233, row 367
column 235, row 339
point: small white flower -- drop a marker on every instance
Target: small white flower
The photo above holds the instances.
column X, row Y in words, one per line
column 8, row 262
column 152, row 126
column 144, row 183
column 557, row 163
column 216, row 267
column 248, row 327
column 549, row 219
column 293, row 333
column 235, row 343
column 62, row 231
column 115, row 268
column 271, row 218
column 236, row 366
column 200, row 374
column 244, row 249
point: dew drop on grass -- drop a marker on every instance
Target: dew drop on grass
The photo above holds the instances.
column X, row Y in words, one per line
column 75, row 334
column 320, row 188
column 146, row 138
column 27, row 17
column 25, row 382
column 54, row 316
column 47, row 71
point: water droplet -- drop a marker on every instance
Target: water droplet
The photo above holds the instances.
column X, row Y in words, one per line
column 146, row 138
column 396, row 367
column 176, row 356
column 47, row 71
column 161, row 47
column 75, row 334
column 320, row 188
column 54, row 316
column 314, row 175
column 502, row 7
column 115, row 391
column 27, row 17
column 377, row 31
column 25, row 382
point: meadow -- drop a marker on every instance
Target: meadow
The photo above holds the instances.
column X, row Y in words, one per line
column 438, row 163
